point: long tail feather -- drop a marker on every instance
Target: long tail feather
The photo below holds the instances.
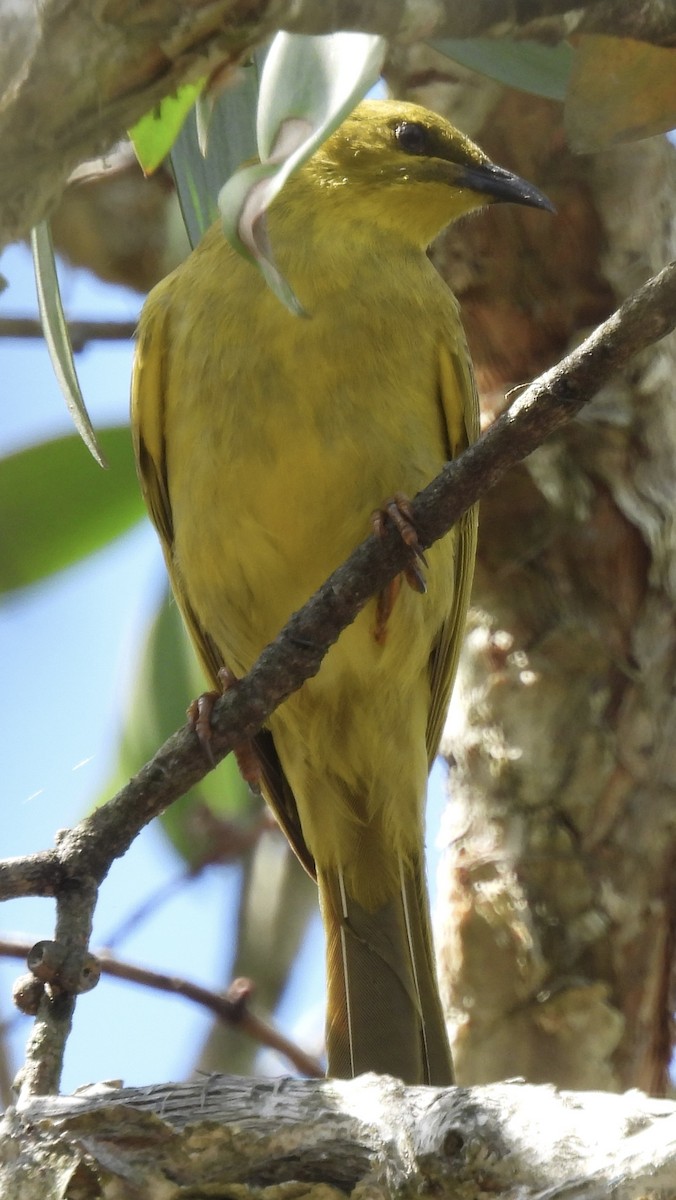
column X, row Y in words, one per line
column 384, row 1012
column 408, row 924
column 345, row 965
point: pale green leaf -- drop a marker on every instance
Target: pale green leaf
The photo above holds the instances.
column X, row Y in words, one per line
column 57, row 337
column 232, row 138
column 308, row 86
column 527, row 65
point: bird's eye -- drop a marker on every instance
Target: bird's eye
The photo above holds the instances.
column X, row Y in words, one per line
column 412, row 137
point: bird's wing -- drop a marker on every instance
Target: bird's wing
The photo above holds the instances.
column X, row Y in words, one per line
column 460, row 405
column 148, row 391
column 281, row 799
column 147, row 422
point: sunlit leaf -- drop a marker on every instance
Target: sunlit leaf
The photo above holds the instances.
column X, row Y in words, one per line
column 56, row 507
column 308, row 86
column 527, row 65
column 57, row 337
column 154, row 135
column 620, row 90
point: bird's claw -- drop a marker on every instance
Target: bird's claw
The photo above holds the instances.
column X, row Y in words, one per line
column 399, row 511
column 199, row 716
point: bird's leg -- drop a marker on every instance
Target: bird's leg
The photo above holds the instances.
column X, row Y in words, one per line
column 398, row 511
column 199, row 716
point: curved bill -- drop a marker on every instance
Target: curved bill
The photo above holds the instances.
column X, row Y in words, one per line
column 491, row 180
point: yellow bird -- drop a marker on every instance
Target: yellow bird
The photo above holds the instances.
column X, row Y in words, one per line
column 265, row 442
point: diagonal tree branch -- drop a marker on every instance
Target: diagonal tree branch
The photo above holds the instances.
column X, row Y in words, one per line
column 84, row 854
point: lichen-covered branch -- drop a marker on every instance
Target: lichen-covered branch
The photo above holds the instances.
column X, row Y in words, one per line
column 369, row 1137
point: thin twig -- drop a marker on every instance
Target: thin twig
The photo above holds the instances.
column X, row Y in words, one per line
column 231, row 1007
column 81, row 332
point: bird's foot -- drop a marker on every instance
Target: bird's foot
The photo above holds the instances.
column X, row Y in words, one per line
column 199, row 716
column 398, row 510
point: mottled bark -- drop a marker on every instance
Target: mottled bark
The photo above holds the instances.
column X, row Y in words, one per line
column 557, row 916
column 370, row 1138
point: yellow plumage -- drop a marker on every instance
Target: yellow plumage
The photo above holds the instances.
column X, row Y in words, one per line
column 265, row 441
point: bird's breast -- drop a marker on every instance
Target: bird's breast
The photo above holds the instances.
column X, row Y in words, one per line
column 289, row 436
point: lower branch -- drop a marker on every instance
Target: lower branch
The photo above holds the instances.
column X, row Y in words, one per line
column 370, row 1138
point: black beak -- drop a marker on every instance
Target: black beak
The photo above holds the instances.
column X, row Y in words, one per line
column 499, row 184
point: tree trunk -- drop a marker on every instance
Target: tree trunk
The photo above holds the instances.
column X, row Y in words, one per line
column 557, row 918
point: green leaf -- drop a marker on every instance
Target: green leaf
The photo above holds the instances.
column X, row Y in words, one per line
column 154, row 135
column 56, row 507
column 308, row 86
column 168, row 679
column 232, row 138
column 57, row 336
column 529, row 66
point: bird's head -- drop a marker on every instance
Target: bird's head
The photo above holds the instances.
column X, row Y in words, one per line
column 403, row 167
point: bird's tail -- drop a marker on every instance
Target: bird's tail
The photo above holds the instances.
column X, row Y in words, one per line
column 383, row 1009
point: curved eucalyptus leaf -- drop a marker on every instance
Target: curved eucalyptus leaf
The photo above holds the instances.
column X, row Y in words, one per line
column 57, row 337
column 308, row 86
column 232, row 138
column 527, row 65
